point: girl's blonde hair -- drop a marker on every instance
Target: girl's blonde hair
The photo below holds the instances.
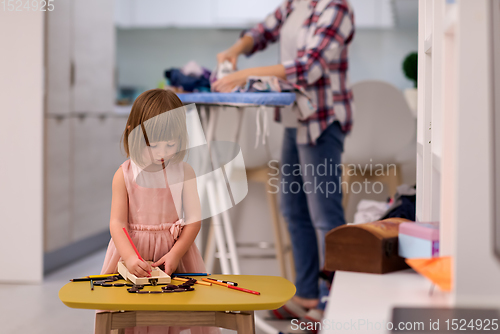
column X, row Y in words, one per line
column 144, row 126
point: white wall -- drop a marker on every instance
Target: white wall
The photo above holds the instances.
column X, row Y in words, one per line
column 144, row 54
column 379, row 55
column 21, row 145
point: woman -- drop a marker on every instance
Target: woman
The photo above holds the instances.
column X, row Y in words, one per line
column 314, row 38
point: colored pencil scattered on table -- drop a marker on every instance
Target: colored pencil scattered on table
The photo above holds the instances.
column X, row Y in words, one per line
column 189, row 274
column 231, row 286
column 93, row 277
column 244, row 290
column 91, row 285
column 183, row 279
column 101, row 276
column 227, row 282
column 214, row 282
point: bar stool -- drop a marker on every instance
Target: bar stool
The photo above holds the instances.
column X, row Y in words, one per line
column 282, row 244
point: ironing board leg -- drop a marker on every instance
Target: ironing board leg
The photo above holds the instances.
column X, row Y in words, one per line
column 223, row 231
column 218, row 229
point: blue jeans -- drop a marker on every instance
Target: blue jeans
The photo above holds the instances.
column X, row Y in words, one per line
column 311, row 203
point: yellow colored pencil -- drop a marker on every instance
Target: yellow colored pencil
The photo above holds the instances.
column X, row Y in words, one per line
column 215, row 282
column 197, row 282
column 100, row 276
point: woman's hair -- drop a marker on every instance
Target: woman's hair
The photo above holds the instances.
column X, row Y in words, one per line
column 152, row 119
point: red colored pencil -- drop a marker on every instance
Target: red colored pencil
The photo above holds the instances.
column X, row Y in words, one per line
column 132, row 243
column 244, row 290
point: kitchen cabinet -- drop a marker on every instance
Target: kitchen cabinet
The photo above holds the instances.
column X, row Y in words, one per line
column 236, row 14
column 82, row 133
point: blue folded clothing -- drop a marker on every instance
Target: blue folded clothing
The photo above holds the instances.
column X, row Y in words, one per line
column 187, row 82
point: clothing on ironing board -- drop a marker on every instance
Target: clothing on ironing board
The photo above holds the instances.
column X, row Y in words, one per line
column 303, row 105
column 187, row 82
column 192, row 68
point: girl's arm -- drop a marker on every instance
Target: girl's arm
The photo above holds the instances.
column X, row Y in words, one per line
column 119, row 220
column 192, row 217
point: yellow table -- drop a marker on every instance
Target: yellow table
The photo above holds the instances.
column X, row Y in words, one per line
column 206, row 306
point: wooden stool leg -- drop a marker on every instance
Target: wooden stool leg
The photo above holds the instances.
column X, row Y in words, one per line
column 345, row 187
column 275, row 218
column 393, row 180
column 245, row 323
column 399, row 176
column 103, row 323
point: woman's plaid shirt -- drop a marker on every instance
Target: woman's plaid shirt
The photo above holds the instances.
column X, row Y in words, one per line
column 321, row 63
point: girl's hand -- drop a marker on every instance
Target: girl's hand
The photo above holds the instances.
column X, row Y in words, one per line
column 230, row 81
column 230, row 55
column 171, row 262
column 137, row 267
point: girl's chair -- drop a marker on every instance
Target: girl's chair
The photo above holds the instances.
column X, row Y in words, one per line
column 383, row 130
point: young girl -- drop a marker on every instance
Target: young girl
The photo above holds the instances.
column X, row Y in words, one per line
column 155, row 196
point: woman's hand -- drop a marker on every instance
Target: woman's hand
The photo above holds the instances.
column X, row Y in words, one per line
column 230, row 81
column 230, row 55
column 171, row 262
column 243, row 45
column 137, row 267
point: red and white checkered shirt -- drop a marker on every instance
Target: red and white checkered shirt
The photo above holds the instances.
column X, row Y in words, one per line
column 321, row 64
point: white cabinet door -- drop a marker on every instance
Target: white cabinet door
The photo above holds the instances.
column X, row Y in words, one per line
column 58, row 59
column 93, row 56
column 96, row 158
column 80, row 79
column 373, row 13
column 161, row 13
column 242, row 13
column 58, row 194
column 229, row 13
column 124, row 13
column 191, row 13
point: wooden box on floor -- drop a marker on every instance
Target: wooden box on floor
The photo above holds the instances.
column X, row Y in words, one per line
column 367, row 248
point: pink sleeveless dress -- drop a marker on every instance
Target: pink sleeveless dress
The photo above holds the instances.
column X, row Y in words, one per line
column 154, row 223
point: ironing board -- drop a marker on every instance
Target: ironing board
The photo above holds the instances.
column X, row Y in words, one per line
column 223, row 230
column 238, row 99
